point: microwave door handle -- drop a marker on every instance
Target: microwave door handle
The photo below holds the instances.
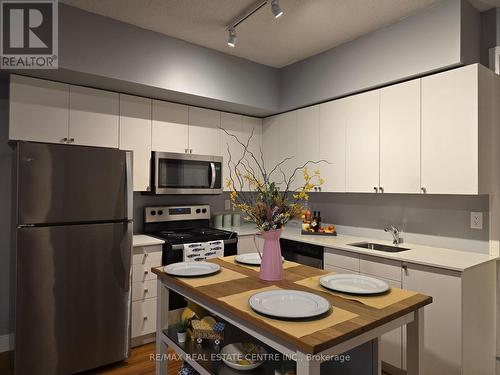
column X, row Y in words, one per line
column 212, row 181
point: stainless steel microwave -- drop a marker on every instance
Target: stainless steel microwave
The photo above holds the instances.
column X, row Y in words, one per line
column 175, row 173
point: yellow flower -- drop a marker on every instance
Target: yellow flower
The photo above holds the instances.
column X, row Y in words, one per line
column 317, row 172
column 228, row 183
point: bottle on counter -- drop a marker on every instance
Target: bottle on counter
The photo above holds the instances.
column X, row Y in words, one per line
column 318, row 220
column 314, row 222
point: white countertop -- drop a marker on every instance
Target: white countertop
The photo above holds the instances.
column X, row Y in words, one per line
column 450, row 259
column 143, row 240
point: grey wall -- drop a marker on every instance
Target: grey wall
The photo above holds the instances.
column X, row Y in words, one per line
column 490, row 33
column 103, row 52
column 439, row 215
column 6, row 155
column 425, row 42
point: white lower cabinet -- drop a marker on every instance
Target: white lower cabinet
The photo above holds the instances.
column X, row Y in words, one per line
column 143, row 317
column 459, row 338
column 144, row 291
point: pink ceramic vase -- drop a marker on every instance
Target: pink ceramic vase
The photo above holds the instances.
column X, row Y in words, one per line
column 271, row 266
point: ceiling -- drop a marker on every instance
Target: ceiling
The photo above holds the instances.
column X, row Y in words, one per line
column 308, row 27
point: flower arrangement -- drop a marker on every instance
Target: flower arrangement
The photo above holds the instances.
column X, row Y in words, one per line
column 274, row 202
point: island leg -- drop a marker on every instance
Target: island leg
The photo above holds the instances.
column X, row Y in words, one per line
column 415, row 344
column 376, row 357
column 307, row 366
column 161, row 324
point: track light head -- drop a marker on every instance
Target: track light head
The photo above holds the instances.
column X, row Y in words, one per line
column 231, row 39
column 276, row 9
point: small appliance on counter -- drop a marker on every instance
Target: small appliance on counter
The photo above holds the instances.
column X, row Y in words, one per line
column 184, row 228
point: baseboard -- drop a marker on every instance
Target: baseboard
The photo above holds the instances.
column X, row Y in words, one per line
column 6, row 343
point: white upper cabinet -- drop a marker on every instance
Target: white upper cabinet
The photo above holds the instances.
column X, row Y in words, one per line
column 362, row 142
column 170, row 128
column 400, row 138
column 241, row 127
column 93, row 117
column 270, row 142
column 204, row 131
column 39, row 110
column 307, row 142
column 450, row 132
column 293, row 136
column 288, row 146
column 332, row 141
column 135, row 135
column 231, row 150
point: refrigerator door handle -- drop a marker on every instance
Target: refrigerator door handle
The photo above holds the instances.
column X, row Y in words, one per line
column 129, row 185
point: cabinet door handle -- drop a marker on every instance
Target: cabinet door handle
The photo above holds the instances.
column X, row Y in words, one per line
column 190, row 150
column 404, row 266
column 144, row 318
column 319, row 188
column 71, row 140
column 381, row 189
column 64, row 140
column 145, row 290
column 424, row 190
column 376, row 189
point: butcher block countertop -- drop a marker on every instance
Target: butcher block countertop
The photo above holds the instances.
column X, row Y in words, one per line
column 361, row 317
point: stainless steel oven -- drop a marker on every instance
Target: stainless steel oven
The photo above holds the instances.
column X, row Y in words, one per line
column 175, row 173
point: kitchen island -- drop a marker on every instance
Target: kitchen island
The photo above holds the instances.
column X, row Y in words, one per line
column 351, row 323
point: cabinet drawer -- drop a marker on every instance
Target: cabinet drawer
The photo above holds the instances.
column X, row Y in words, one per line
column 385, row 268
column 147, row 254
column 142, row 272
column 342, row 259
column 143, row 289
column 329, row 267
column 143, row 317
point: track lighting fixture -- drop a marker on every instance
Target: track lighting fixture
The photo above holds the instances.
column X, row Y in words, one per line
column 231, row 28
column 231, row 40
column 276, row 9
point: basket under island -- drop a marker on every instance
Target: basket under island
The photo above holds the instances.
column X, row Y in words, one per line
column 353, row 322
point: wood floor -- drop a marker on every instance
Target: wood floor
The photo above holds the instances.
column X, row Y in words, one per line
column 139, row 363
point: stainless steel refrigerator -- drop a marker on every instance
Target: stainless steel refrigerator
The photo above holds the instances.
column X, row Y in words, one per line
column 73, row 257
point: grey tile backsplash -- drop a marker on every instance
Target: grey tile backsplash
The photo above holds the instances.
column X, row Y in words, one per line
column 437, row 215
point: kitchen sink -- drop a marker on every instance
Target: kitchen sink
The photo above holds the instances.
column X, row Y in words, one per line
column 379, row 247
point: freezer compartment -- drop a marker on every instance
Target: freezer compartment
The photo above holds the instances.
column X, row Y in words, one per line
column 62, row 184
column 73, row 297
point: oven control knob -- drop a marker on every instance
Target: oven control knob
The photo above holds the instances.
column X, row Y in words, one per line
column 204, row 210
column 160, row 212
column 198, row 210
column 153, row 213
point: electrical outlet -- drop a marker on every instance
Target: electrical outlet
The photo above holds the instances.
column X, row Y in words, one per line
column 476, row 220
column 227, row 204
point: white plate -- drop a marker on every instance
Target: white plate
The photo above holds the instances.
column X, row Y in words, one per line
column 354, row 284
column 251, row 259
column 191, row 269
column 289, row 304
column 230, row 354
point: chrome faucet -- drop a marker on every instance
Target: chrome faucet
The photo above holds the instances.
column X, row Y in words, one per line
column 396, row 234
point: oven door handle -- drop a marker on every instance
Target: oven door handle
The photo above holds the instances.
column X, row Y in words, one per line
column 212, row 181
